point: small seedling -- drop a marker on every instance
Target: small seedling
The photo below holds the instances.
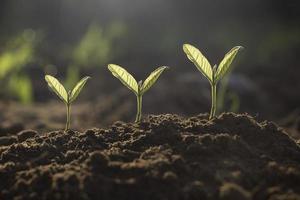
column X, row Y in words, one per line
column 213, row 74
column 66, row 97
column 139, row 88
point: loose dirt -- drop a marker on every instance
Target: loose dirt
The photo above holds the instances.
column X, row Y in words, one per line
column 165, row 157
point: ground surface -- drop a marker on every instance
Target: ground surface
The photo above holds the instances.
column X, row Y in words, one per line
column 164, row 157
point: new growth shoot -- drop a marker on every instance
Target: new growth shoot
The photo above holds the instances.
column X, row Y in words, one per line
column 66, row 97
column 213, row 74
column 138, row 88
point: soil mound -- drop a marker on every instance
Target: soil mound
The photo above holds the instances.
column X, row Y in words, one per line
column 165, row 157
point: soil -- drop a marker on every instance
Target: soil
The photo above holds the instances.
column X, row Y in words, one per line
column 163, row 157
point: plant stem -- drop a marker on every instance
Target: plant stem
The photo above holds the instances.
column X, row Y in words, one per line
column 213, row 101
column 68, row 117
column 139, row 109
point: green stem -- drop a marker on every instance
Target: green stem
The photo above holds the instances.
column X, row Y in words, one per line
column 68, row 117
column 213, row 101
column 139, row 109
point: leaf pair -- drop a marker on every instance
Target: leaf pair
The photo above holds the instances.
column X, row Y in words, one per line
column 204, row 66
column 60, row 91
column 128, row 80
column 139, row 88
column 212, row 74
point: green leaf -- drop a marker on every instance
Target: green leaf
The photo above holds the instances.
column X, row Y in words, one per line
column 126, row 78
column 77, row 89
column 199, row 60
column 57, row 88
column 152, row 78
column 225, row 64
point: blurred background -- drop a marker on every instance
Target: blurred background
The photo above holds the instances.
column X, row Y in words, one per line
column 72, row 38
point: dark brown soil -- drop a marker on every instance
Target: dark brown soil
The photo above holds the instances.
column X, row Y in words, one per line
column 165, row 157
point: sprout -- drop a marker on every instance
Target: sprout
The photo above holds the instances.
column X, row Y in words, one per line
column 213, row 74
column 138, row 88
column 66, row 97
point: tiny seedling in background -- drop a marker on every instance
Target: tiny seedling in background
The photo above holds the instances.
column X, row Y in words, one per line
column 213, row 74
column 66, row 97
column 139, row 88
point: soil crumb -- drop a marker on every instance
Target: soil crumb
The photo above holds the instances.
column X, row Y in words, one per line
column 165, row 157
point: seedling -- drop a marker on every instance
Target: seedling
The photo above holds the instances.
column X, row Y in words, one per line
column 213, row 74
column 139, row 88
column 66, row 97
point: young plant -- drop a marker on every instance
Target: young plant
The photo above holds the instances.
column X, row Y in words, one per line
column 66, row 97
column 213, row 74
column 138, row 88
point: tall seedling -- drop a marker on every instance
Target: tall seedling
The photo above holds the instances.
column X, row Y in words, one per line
column 138, row 88
column 66, row 97
column 213, row 74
